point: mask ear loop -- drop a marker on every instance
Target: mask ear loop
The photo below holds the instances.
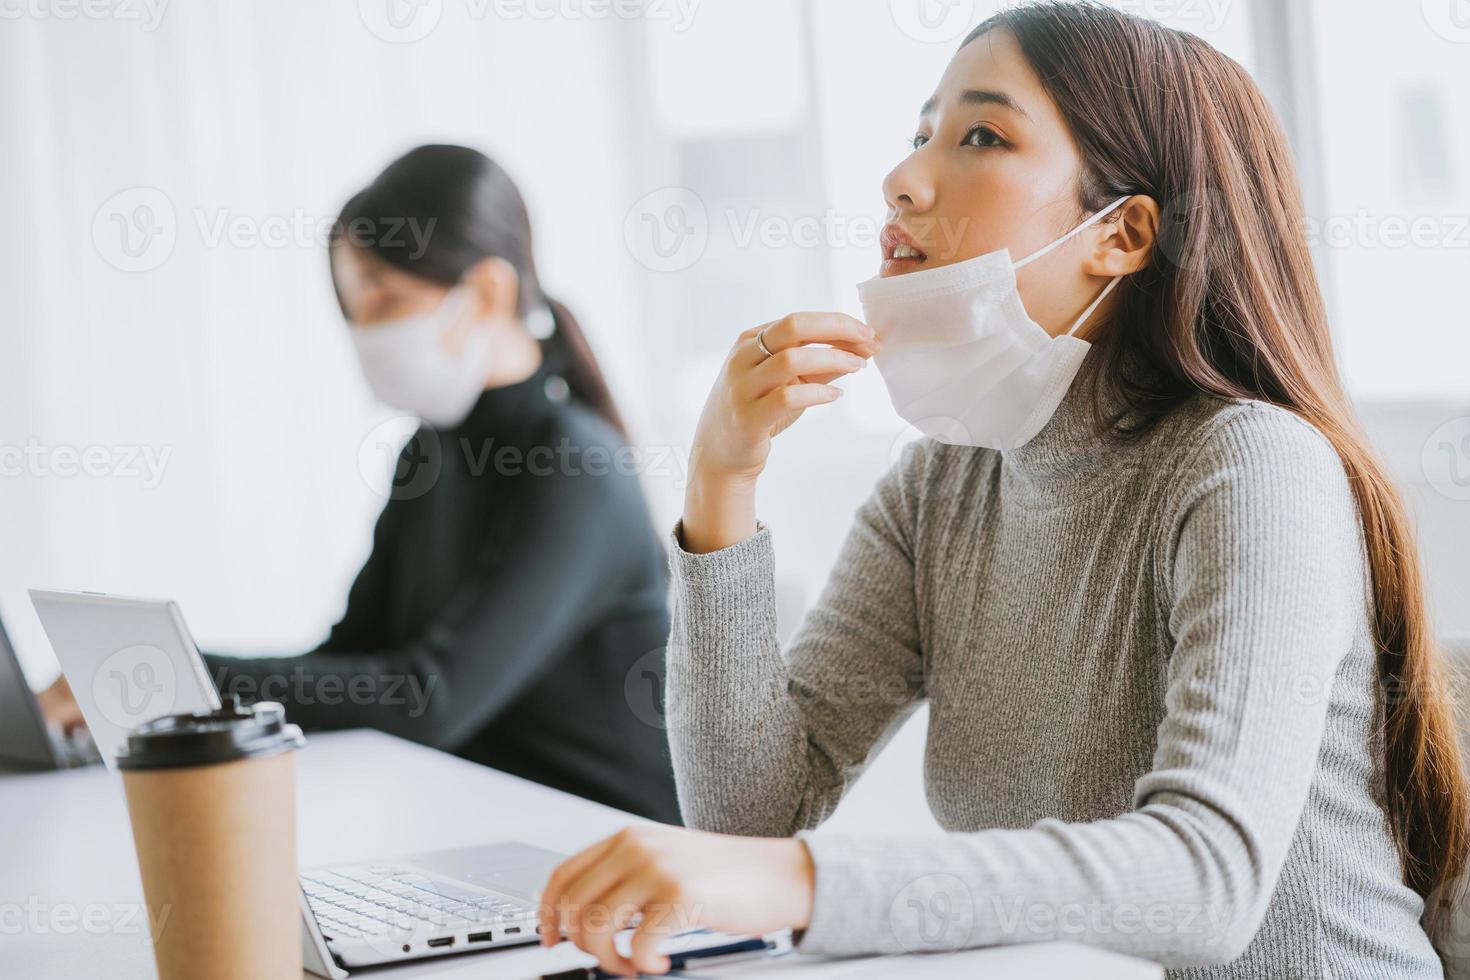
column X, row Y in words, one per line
column 1094, row 304
column 1063, row 240
column 1068, row 236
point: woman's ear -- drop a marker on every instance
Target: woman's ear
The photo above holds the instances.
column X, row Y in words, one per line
column 1127, row 241
column 496, row 287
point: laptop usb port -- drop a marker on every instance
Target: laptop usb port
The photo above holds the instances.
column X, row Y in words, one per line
column 485, row 937
column 444, row 941
column 512, row 930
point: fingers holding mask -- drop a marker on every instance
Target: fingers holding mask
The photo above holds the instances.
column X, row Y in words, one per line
column 800, row 365
column 806, row 348
column 800, row 329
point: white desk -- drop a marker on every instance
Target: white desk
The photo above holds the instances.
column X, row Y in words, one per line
column 71, row 902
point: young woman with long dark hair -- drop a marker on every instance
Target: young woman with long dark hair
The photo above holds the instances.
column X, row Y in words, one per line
column 516, row 587
column 1160, row 598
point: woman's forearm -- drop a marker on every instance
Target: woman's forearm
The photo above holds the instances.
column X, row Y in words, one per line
column 718, row 512
column 738, row 740
column 764, row 742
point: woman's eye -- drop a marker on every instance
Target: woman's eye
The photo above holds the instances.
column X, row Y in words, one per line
column 982, row 136
column 917, row 141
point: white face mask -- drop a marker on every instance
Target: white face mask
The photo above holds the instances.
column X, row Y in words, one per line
column 962, row 360
column 407, row 364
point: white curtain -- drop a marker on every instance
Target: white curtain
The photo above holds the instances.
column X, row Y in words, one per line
column 179, row 411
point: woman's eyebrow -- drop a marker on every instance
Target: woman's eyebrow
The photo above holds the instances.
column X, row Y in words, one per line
column 979, row 96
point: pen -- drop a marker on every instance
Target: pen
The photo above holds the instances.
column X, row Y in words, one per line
column 677, row 961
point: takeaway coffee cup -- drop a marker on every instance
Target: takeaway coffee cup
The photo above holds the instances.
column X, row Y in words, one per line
column 212, row 799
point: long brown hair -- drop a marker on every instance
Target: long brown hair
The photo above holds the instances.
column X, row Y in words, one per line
column 1229, row 305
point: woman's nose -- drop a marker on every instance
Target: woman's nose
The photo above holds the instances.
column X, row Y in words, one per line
column 908, row 187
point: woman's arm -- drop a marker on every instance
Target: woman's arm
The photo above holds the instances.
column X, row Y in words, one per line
column 759, row 748
column 1267, row 595
column 1265, row 579
column 538, row 587
column 765, row 745
column 363, row 621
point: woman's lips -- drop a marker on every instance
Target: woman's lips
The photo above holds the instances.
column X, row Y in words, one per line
column 900, row 253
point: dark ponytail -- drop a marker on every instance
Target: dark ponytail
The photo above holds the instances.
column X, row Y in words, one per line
column 439, row 209
column 567, row 346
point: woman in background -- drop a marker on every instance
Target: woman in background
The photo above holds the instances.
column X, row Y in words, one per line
column 515, row 573
column 513, row 609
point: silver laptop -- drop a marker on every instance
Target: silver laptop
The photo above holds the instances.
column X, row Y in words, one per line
column 353, row 915
column 428, row 904
column 26, row 741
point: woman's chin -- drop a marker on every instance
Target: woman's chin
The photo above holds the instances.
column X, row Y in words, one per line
column 900, row 267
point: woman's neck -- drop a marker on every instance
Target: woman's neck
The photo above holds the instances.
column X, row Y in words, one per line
column 516, row 354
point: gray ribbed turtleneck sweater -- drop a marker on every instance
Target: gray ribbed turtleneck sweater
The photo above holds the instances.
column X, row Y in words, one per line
column 1152, row 703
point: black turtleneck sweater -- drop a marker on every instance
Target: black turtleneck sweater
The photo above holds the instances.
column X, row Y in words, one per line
column 513, row 610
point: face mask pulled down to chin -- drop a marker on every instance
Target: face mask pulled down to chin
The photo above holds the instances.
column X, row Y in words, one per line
column 962, row 360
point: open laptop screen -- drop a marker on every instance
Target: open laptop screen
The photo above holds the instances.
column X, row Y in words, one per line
column 23, row 736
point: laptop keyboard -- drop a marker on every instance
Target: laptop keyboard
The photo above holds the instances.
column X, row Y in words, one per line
column 355, row 903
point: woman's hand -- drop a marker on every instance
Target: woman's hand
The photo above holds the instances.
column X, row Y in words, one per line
column 754, row 399
column 676, row 880
column 59, row 707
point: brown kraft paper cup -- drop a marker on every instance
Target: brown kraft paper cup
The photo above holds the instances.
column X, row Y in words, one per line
column 212, row 800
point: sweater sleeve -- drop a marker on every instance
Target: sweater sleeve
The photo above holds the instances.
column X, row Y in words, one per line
column 536, row 588
column 1263, row 572
column 765, row 744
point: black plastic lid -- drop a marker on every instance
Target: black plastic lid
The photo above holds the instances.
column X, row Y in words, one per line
column 207, row 737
